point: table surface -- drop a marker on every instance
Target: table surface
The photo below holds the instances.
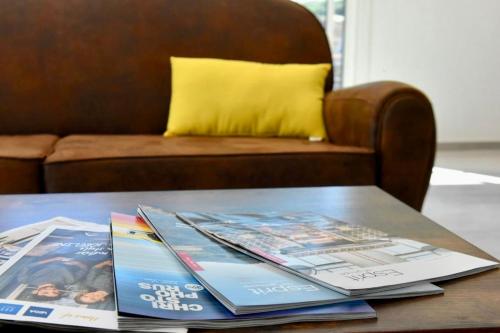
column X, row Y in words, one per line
column 469, row 304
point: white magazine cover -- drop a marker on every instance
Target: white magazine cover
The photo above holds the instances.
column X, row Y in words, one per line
column 63, row 276
column 349, row 258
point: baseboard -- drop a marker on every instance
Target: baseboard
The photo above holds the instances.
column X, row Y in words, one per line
column 468, row 145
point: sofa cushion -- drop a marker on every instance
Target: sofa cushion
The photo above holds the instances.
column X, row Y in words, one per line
column 147, row 162
column 219, row 97
column 21, row 158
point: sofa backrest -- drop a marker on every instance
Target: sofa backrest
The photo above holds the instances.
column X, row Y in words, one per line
column 102, row 66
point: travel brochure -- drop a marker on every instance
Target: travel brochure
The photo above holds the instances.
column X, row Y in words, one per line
column 158, row 288
column 167, row 271
column 351, row 259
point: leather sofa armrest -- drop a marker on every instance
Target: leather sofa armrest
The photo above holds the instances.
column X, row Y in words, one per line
column 397, row 121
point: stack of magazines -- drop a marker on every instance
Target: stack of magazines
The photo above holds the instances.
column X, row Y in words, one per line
column 163, row 271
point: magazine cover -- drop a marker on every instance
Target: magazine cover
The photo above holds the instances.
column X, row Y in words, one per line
column 349, row 258
column 63, row 276
column 151, row 282
column 242, row 283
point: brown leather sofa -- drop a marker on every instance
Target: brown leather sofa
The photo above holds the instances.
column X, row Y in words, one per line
column 85, row 88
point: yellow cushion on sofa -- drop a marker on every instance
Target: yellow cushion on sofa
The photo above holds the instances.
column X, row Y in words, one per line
column 241, row 98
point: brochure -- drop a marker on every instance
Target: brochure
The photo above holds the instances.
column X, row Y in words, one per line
column 242, row 283
column 61, row 277
column 349, row 258
column 150, row 282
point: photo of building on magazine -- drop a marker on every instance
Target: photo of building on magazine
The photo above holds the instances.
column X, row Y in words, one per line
column 353, row 258
column 311, row 243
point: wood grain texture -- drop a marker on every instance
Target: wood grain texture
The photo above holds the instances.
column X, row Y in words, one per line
column 469, row 304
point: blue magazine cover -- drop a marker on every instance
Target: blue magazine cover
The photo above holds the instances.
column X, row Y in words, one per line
column 151, row 282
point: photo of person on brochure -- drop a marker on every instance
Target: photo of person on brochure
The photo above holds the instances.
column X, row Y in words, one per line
column 98, row 284
column 68, row 267
column 49, row 276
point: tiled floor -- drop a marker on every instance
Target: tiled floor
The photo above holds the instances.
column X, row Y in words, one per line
column 464, row 196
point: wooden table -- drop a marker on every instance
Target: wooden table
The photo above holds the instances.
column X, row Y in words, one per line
column 469, row 304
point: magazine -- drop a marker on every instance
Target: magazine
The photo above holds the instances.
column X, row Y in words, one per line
column 351, row 259
column 151, row 282
column 63, row 276
column 242, row 283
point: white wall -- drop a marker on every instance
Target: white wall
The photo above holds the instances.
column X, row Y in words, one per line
column 448, row 48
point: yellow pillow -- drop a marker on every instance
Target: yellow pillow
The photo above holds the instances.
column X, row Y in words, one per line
column 241, row 98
